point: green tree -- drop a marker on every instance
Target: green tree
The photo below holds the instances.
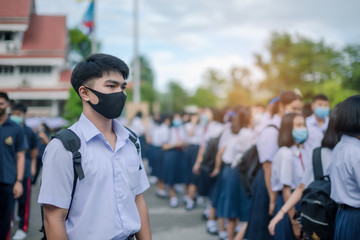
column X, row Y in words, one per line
column 175, row 99
column 296, row 61
column 73, row 107
column 352, row 66
column 203, row 97
column 80, row 45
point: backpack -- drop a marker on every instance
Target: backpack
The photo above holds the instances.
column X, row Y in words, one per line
column 72, row 144
column 208, row 163
column 249, row 166
column 318, row 210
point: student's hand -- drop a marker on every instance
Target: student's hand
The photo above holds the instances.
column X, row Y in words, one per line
column 279, row 216
column 215, row 172
column 296, row 227
column 18, row 189
column 196, row 169
column 271, row 208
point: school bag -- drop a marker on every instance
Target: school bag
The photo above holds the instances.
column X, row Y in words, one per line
column 209, row 158
column 249, row 166
column 318, row 210
column 72, row 143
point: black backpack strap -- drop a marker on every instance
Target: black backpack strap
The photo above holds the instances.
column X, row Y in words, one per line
column 71, row 143
column 134, row 139
column 317, row 165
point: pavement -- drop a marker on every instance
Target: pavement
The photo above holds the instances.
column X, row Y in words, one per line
column 166, row 223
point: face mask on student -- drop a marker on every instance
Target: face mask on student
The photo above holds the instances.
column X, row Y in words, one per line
column 16, row 119
column 322, row 112
column 110, row 105
column 176, row 122
column 204, row 119
column 300, row 134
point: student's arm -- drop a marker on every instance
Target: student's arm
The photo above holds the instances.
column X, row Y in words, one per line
column 289, row 204
column 20, row 167
column 218, row 162
column 145, row 232
column 286, row 192
column 267, row 175
column 54, row 222
column 198, row 161
column 34, row 153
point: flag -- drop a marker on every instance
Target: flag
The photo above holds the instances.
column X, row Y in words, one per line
column 88, row 19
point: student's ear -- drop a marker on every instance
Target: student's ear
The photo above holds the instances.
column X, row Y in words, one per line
column 84, row 93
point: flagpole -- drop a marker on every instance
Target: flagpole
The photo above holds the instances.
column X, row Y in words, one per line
column 136, row 80
column 93, row 34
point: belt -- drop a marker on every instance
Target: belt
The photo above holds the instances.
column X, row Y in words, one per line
column 131, row 237
column 226, row 164
column 344, row 206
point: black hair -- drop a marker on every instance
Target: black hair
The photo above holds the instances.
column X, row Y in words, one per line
column 331, row 138
column 47, row 129
column 95, row 66
column 307, row 111
column 348, row 115
column 139, row 114
column 18, row 106
column 5, row 96
column 285, row 132
column 288, row 96
column 322, row 97
column 242, row 118
column 218, row 115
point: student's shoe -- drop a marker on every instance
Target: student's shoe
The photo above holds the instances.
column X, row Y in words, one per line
column 174, row 202
column 179, row 188
column 223, row 235
column 211, row 227
column 162, row 193
column 190, row 204
column 19, row 235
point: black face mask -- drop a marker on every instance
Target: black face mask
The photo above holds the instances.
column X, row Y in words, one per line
column 110, row 105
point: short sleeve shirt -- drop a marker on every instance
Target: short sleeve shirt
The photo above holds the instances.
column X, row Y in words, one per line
column 12, row 141
column 103, row 206
column 287, row 168
column 345, row 172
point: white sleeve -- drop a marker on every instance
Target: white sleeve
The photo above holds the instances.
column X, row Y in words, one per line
column 286, row 167
column 57, row 176
column 267, row 144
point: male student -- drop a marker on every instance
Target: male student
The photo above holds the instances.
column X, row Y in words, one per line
column 108, row 202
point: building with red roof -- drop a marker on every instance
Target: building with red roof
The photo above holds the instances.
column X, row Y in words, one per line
column 33, row 57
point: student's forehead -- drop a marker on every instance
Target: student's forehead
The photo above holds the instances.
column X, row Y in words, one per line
column 113, row 76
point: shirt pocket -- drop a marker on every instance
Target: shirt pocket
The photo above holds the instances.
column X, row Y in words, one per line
column 133, row 170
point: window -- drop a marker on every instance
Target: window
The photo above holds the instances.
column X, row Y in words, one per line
column 35, row 69
column 6, row 36
column 6, row 69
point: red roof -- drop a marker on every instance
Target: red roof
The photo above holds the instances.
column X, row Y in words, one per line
column 46, row 34
column 15, row 11
column 65, row 76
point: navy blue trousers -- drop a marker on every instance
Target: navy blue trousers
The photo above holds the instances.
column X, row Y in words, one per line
column 347, row 224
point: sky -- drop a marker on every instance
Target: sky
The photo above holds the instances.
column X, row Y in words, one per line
column 184, row 38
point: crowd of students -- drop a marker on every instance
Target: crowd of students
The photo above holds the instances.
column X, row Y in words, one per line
column 203, row 151
column 21, row 151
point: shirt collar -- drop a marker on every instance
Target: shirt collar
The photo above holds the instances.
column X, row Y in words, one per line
column 312, row 120
column 90, row 131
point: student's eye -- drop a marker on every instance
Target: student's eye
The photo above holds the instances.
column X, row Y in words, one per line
column 111, row 86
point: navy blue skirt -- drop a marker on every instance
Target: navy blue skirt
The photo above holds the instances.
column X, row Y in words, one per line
column 283, row 230
column 155, row 155
column 172, row 170
column 231, row 201
column 189, row 159
column 205, row 184
column 347, row 224
column 259, row 218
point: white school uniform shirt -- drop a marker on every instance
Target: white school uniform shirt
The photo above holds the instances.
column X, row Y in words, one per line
column 316, row 132
column 345, row 172
column 103, row 206
column 237, row 144
column 287, row 168
column 175, row 135
column 326, row 155
column 137, row 126
column 197, row 134
column 267, row 142
column 159, row 134
column 226, row 133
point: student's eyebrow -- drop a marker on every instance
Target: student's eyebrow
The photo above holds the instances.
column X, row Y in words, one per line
column 116, row 83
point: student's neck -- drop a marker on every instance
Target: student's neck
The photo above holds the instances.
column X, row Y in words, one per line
column 3, row 118
column 104, row 125
column 319, row 120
